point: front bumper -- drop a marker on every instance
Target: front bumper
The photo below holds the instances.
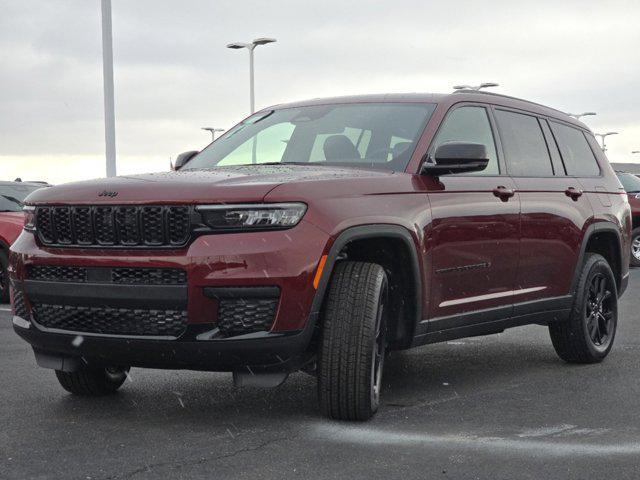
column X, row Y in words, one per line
column 280, row 261
column 194, row 350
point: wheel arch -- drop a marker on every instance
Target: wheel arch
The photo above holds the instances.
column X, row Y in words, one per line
column 603, row 238
column 378, row 243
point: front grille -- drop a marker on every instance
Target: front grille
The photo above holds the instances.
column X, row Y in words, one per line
column 19, row 305
column 237, row 316
column 114, row 226
column 119, row 275
column 111, row 320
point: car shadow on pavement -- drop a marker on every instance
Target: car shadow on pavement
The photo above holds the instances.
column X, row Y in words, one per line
column 422, row 375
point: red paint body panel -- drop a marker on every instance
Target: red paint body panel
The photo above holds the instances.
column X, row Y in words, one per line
column 10, row 227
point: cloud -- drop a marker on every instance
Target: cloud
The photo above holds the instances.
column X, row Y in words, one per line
column 174, row 75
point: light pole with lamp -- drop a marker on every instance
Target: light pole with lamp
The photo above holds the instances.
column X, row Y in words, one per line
column 251, row 47
column 578, row 116
column 213, row 131
column 476, row 88
column 602, row 138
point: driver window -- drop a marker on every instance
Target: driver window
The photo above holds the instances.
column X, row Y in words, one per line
column 470, row 124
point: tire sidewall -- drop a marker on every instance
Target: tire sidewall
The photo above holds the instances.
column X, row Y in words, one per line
column 382, row 302
column 596, row 264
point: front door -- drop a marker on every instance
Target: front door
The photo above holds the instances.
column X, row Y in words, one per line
column 472, row 244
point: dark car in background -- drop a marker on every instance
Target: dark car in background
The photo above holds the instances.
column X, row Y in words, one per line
column 12, row 194
column 631, row 184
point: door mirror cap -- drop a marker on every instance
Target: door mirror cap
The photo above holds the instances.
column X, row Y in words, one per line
column 183, row 158
column 457, row 157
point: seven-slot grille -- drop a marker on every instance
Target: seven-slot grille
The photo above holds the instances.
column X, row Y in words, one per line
column 114, row 226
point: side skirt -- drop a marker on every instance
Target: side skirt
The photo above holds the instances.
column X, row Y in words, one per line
column 491, row 321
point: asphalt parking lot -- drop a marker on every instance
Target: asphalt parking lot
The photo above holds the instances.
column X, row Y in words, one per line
column 497, row 407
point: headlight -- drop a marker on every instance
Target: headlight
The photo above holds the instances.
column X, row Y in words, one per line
column 29, row 218
column 265, row 216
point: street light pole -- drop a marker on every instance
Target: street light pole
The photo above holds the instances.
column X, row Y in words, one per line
column 213, row 131
column 602, row 138
column 107, row 79
column 251, row 47
column 578, row 116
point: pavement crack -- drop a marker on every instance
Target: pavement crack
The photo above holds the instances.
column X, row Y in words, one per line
column 201, row 461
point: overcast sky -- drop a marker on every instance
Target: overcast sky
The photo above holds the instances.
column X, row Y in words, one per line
column 174, row 75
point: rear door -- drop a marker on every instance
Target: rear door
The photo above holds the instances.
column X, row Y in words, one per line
column 472, row 244
column 553, row 211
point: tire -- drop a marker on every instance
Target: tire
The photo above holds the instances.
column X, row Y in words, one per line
column 635, row 247
column 92, row 382
column 353, row 342
column 588, row 335
column 4, row 277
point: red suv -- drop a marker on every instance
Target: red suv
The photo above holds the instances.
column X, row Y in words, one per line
column 318, row 235
column 631, row 184
column 12, row 194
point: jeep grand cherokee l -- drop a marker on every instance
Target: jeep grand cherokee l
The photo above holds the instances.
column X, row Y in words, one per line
column 318, row 235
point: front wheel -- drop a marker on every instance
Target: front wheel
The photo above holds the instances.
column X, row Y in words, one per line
column 587, row 336
column 353, row 342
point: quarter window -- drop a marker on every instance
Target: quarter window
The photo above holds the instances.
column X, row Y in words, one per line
column 577, row 155
column 470, row 124
column 524, row 145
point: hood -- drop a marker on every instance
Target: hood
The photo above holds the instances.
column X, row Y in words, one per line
column 219, row 185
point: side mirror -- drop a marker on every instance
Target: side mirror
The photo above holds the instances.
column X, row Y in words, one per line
column 183, row 158
column 457, row 157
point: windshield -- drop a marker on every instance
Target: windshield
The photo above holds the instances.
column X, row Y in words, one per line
column 374, row 135
column 630, row 182
column 12, row 196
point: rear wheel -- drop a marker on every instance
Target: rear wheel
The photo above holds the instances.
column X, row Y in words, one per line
column 93, row 382
column 4, row 277
column 587, row 337
column 635, row 247
column 353, row 343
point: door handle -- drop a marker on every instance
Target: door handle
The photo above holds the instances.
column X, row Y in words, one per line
column 504, row 193
column 573, row 192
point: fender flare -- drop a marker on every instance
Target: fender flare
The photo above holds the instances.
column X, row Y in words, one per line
column 592, row 230
column 363, row 232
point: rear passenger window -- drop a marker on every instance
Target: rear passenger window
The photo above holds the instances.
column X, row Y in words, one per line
column 470, row 124
column 524, row 145
column 577, row 155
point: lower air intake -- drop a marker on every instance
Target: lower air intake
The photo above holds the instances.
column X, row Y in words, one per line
column 111, row 320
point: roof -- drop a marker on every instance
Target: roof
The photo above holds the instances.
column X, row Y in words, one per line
column 442, row 98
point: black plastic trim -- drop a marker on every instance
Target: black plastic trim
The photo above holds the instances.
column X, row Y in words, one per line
column 115, row 295
column 241, row 292
column 372, row 231
column 589, row 232
column 492, row 320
